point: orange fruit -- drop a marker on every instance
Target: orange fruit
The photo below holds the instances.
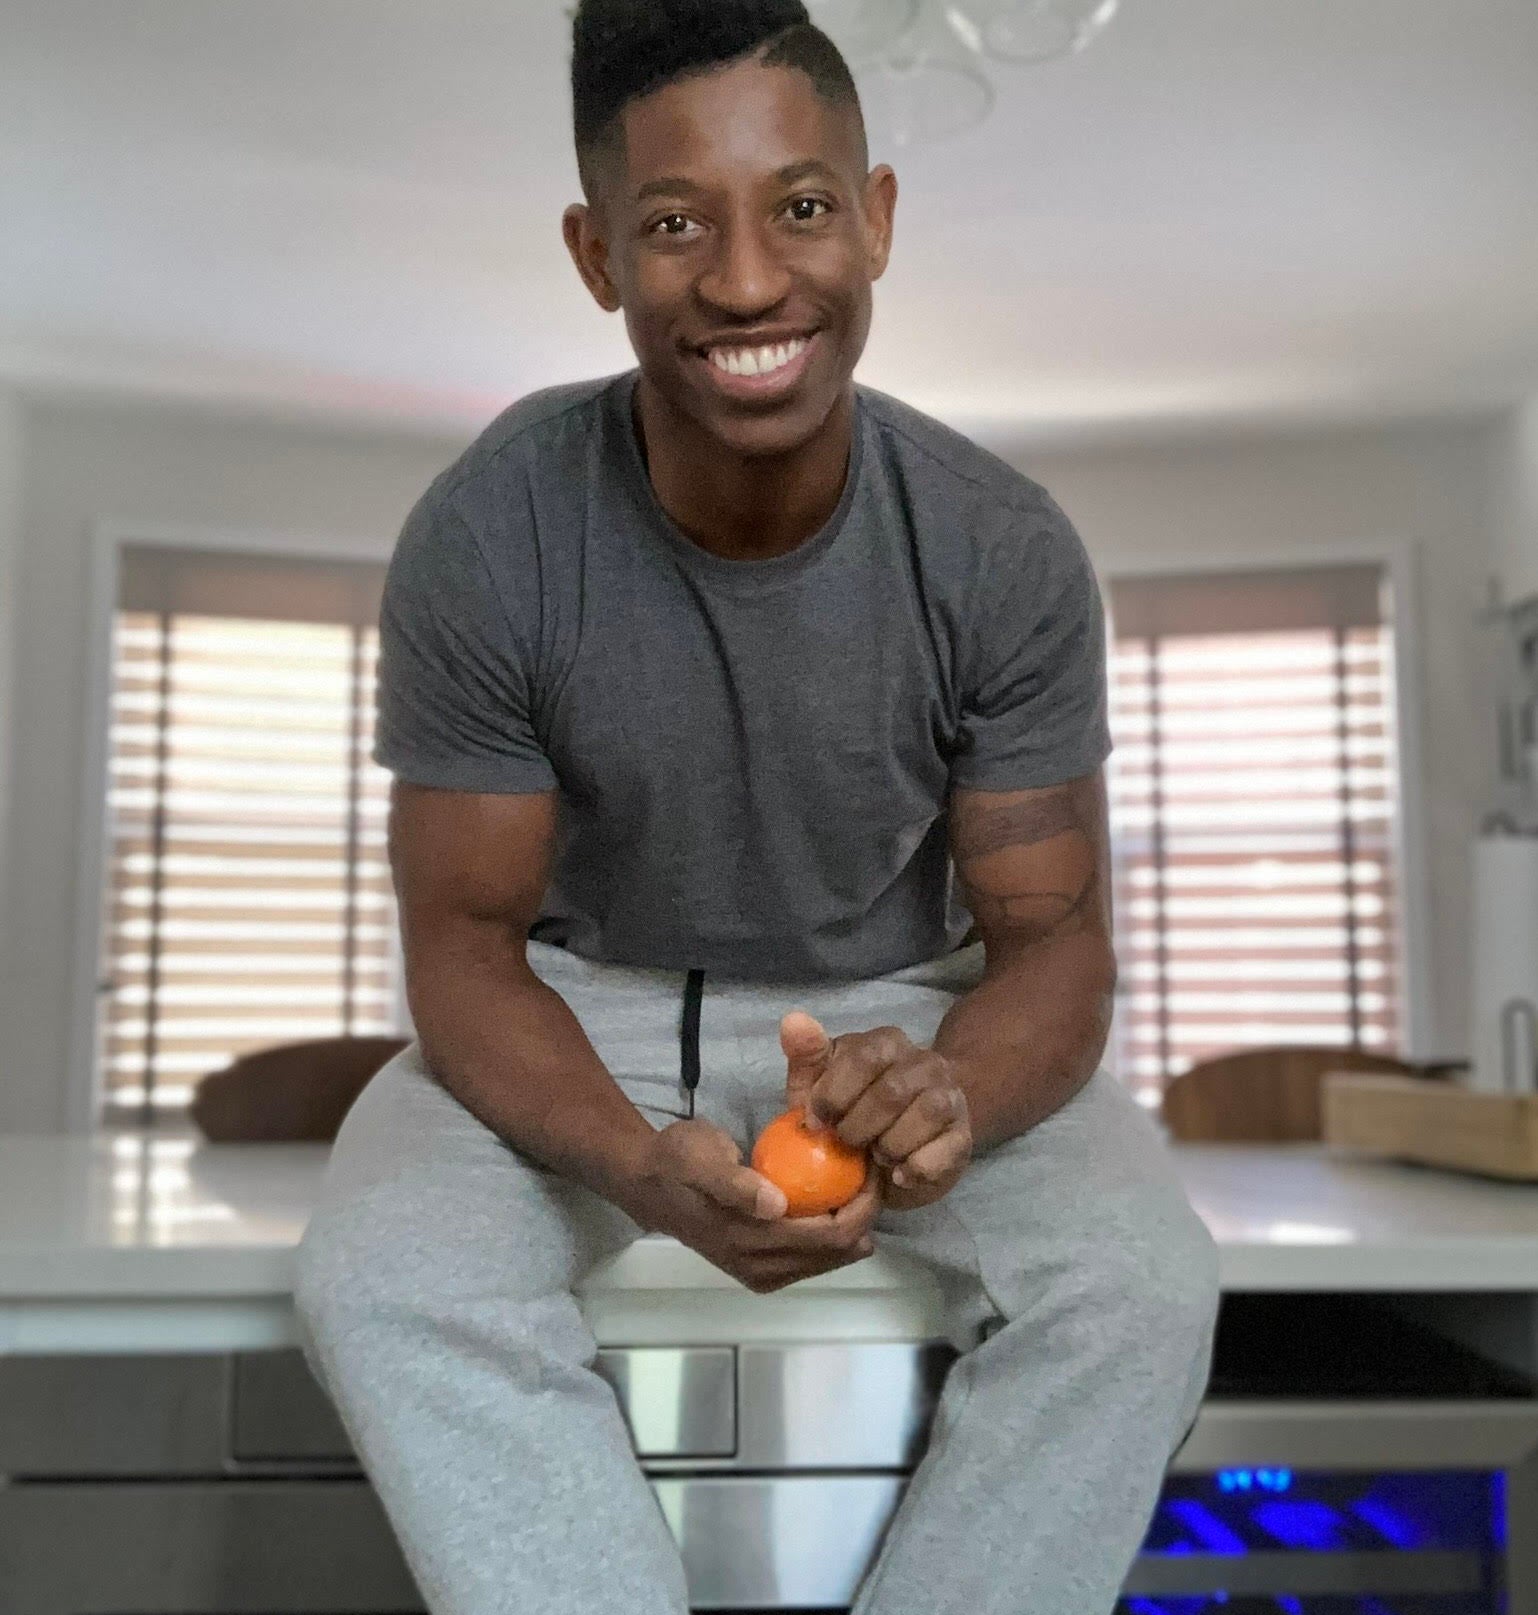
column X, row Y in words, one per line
column 817, row 1170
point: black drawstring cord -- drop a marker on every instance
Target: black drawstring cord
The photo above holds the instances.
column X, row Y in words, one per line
column 689, row 1035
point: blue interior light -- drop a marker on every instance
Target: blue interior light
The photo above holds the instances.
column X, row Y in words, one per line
column 1314, row 1527
column 1393, row 1526
column 1498, row 1511
column 1275, row 1481
column 1206, row 1527
column 1233, row 1512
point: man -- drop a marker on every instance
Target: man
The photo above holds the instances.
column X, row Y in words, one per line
column 732, row 707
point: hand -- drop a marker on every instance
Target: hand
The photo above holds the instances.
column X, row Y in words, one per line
column 691, row 1182
column 879, row 1091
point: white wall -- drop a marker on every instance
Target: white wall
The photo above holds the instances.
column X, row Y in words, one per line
column 10, row 549
column 1514, row 477
column 86, row 464
column 1255, row 499
column 1210, row 503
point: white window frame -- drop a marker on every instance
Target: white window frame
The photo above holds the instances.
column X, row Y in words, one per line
column 1401, row 561
column 83, row 1087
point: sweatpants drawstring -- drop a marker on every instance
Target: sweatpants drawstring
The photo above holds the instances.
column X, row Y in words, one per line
column 689, row 1035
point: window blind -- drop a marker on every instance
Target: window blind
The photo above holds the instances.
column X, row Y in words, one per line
column 1253, row 791
column 248, row 896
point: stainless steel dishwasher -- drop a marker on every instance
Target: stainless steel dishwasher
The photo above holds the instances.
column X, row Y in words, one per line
column 226, row 1485
column 1338, row 1468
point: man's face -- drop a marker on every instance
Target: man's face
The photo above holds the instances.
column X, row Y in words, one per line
column 739, row 232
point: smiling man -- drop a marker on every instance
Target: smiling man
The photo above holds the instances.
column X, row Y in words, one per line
column 747, row 728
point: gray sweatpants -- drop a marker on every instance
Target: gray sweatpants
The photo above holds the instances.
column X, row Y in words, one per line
column 434, row 1291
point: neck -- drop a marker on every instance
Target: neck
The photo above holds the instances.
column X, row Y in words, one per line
column 743, row 507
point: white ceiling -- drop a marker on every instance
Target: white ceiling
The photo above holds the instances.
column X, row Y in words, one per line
column 1225, row 211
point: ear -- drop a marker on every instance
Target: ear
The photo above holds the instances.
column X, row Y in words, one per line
column 880, row 202
column 590, row 253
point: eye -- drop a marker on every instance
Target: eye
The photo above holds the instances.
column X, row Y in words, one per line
column 806, row 208
column 671, row 224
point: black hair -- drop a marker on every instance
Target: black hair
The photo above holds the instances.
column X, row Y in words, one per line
column 623, row 49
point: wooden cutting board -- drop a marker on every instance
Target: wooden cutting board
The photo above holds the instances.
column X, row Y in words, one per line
column 1436, row 1123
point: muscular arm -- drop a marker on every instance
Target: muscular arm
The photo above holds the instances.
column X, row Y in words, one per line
column 470, row 874
column 1034, row 867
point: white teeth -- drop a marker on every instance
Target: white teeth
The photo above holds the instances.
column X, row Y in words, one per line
column 756, row 361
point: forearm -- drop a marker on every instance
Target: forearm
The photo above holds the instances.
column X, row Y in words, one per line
column 1030, row 1034
column 510, row 1050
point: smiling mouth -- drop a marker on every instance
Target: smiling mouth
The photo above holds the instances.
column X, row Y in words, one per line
column 757, row 374
column 762, row 360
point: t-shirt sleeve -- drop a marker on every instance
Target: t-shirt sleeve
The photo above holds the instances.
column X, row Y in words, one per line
column 456, row 662
column 1033, row 704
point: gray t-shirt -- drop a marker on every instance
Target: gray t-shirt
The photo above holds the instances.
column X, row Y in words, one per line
column 752, row 757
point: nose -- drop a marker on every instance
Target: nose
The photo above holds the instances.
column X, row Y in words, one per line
column 745, row 276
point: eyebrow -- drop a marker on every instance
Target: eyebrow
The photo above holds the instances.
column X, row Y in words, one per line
column 788, row 175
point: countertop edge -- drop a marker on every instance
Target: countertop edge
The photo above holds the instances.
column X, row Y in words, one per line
column 1451, row 1266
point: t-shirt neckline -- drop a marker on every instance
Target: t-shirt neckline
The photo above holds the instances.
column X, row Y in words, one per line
column 741, row 576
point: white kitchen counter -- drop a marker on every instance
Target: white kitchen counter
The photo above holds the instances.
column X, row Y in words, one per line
column 130, row 1241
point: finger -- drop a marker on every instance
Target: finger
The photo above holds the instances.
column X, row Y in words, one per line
column 859, row 1215
column 712, row 1163
column 800, row 1249
column 936, row 1160
column 895, row 1091
column 835, row 1231
column 933, row 1111
column 806, row 1047
column 858, row 1059
column 744, row 1190
column 836, row 1228
column 741, row 1189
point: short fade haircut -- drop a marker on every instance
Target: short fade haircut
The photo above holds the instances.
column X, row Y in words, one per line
column 625, row 49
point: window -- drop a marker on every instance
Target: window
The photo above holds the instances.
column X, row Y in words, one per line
column 248, row 896
column 1253, row 793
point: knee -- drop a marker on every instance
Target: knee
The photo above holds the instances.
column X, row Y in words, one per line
column 315, row 1288
column 343, row 1267
column 1164, row 1277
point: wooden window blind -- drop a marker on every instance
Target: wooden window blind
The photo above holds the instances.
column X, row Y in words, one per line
column 1253, row 790
column 248, row 897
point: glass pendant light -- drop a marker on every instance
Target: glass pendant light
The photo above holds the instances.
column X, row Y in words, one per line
column 917, row 97
column 921, row 64
column 862, row 29
column 1027, row 30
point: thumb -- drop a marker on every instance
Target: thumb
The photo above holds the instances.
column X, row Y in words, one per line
column 807, row 1047
column 711, row 1162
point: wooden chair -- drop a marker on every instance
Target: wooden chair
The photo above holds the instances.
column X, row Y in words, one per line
column 1264, row 1096
column 290, row 1093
